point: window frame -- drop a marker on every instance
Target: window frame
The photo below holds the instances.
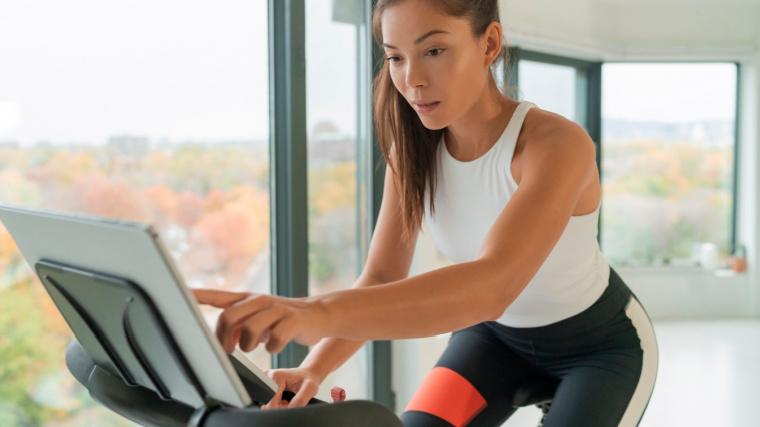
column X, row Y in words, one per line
column 288, row 171
column 737, row 145
column 593, row 110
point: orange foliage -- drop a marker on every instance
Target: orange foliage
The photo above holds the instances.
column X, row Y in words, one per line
column 334, row 188
column 67, row 167
column 8, row 249
column 112, row 199
column 233, row 233
column 252, row 200
column 163, row 201
column 238, row 227
column 215, row 201
column 189, row 208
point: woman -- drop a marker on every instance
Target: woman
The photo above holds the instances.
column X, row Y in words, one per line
column 511, row 193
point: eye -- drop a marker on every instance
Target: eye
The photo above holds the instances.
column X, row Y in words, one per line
column 435, row 52
column 393, row 59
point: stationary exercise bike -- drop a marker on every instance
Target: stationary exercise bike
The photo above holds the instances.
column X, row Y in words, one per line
column 130, row 361
column 122, row 334
column 145, row 407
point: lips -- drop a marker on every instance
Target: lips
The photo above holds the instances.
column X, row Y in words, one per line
column 423, row 106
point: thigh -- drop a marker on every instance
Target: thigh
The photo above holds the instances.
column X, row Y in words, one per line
column 591, row 396
column 471, row 384
column 611, row 387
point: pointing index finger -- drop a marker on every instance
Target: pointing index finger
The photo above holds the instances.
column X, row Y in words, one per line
column 219, row 299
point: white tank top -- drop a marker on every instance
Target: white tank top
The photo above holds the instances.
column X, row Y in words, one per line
column 471, row 195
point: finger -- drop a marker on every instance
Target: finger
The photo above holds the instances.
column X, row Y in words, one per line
column 274, row 405
column 280, row 335
column 232, row 318
column 276, row 401
column 247, row 343
column 307, row 391
column 256, row 328
column 220, row 299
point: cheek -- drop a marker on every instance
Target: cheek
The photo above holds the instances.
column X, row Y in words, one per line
column 464, row 86
column 465, row 78
column 397, row 77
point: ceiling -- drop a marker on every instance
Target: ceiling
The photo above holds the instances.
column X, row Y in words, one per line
column 679, row 2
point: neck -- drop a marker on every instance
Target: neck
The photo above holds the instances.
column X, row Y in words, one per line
column 473, row 134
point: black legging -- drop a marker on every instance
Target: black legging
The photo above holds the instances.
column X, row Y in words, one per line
column 604, row 357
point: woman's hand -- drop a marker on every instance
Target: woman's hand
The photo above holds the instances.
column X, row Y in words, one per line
column 249, row 319
column 302, row 382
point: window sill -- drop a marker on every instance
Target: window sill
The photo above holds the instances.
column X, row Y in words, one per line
column 678, row 271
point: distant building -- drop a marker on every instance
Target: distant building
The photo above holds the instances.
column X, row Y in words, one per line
column 135, row 147
column 127, row 152
column 327, row 145
column 706, row 133
column 8, row 144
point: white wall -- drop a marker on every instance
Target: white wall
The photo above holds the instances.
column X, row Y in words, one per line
column 749, row 181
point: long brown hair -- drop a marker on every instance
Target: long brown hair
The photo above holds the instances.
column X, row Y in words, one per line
column 399, row 128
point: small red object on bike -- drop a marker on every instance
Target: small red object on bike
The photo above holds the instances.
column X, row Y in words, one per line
column 338, row 394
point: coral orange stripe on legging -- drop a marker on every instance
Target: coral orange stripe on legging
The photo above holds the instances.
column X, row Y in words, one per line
column 447, row 395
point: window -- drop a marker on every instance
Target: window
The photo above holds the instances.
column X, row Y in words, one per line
column 332, row 114
column 147, row 111
column 560, row 89
column 668, row 138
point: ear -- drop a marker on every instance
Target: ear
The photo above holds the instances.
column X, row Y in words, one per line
column 493, row 42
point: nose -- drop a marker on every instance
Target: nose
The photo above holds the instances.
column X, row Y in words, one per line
column 415, row 76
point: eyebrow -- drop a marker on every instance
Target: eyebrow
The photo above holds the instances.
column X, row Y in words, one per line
column 421, row 39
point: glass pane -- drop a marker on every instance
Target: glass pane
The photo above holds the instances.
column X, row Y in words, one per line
column 667, row 161
column 555, row 88
column 148, row 111
column 332, row 122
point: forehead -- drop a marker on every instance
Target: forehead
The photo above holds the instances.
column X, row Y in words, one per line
column 406, row 22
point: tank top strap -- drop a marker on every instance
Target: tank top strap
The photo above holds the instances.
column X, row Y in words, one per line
column 513, row 127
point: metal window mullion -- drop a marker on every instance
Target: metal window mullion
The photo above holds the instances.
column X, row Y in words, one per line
column 287, row 160
column 594, row 122
column 378, row 352
column 512, row 73
column 732, row 243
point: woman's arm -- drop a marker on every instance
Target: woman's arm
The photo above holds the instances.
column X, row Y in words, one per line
column 556, row 167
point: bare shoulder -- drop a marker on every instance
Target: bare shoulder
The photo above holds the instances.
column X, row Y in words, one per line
column 553, row 151
column 549, row 134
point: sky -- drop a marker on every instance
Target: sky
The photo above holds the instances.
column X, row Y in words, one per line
column 674, row 93
column 84, row 70
column 677, row 92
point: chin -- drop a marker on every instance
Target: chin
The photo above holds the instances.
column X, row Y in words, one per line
column 432, row 124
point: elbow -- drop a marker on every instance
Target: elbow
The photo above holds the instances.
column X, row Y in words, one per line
column 497, row 303
column 497, row 312
column 502, row 292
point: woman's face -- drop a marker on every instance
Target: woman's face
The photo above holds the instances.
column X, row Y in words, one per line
column 434, row 59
